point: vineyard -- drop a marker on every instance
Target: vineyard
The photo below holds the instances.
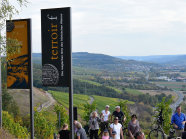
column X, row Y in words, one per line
column 63, row 99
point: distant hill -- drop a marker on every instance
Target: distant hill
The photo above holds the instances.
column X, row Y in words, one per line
column 159, row 59
column 102, row 62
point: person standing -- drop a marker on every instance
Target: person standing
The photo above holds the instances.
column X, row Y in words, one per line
column 64, row 133
column 94, row 125
column 118, row 113
column 105, row 134
column 105, row 116
column 81, row 134
column 116, row 128
column 178, row 120
column 134, row 128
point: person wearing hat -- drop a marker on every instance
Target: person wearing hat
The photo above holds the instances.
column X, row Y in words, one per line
column 116, row 129
column 118, row 113
column 105, row 116
column 113, row 135
column 105, row 134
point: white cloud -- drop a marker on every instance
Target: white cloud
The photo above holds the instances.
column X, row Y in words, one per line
column 113, row 18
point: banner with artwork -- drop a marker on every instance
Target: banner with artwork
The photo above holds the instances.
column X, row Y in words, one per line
column 19, row 63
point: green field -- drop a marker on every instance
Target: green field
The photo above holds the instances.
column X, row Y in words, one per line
column 63, row 98
column 133, row 91
column 171, row 85
column 90, row 82
column 103, row 101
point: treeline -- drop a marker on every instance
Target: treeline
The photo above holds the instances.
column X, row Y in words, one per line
column 146, row 87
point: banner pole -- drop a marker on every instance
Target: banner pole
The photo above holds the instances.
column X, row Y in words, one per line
column 31, row 85
column 71, row 113
column 1, row 121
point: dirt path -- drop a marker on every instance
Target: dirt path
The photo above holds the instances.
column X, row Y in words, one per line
column 91, row 100
column 48, row 103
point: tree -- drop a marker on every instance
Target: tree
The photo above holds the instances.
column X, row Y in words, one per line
column 7, row 10
column 7, row 45
column 88, row 109
column 125, row 110
column 164, row 107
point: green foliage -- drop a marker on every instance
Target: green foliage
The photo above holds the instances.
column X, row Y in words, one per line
column 164, row 105
column 7, row 10
column 14, row 128
column 63, row 114
column 9, row 104
column 88, row 109
column 43, row 128
column 125, row 110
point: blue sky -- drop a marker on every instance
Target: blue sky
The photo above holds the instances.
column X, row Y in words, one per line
column 118, row 27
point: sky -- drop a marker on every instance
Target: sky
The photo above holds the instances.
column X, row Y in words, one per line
column 118, row 27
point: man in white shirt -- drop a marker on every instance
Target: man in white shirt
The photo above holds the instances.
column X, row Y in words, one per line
column 105, row 116
column 116, row 127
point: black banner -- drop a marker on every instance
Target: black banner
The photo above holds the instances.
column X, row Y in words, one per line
column 56, row 51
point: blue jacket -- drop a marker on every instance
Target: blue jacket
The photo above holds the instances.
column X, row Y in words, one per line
column 178, row 119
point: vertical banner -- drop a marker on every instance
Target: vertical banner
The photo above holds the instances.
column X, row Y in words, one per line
column 56, row 52
column 19, row 64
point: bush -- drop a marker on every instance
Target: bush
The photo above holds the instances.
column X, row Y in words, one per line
column 88, row 109
column 43, row 128
column 14, row 128
column 63, row 115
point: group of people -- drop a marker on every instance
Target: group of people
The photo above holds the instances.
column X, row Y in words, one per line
column 110, row 125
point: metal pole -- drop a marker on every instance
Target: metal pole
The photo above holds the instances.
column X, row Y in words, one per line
column 31, row 114
column 1, row 122
column 31, row 88
column 59, row 120
column 71, row 113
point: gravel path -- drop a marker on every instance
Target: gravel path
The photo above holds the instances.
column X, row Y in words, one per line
column 48, row 103
column 91, row 100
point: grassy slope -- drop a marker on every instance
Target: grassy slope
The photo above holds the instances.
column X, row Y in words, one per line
column 79, row 99
column 102, row 101
column 22, row 99
column 133, row 91
column 63, row 98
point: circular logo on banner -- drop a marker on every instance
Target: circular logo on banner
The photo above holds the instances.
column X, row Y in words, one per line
column 9, row 26
column 50, row 75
